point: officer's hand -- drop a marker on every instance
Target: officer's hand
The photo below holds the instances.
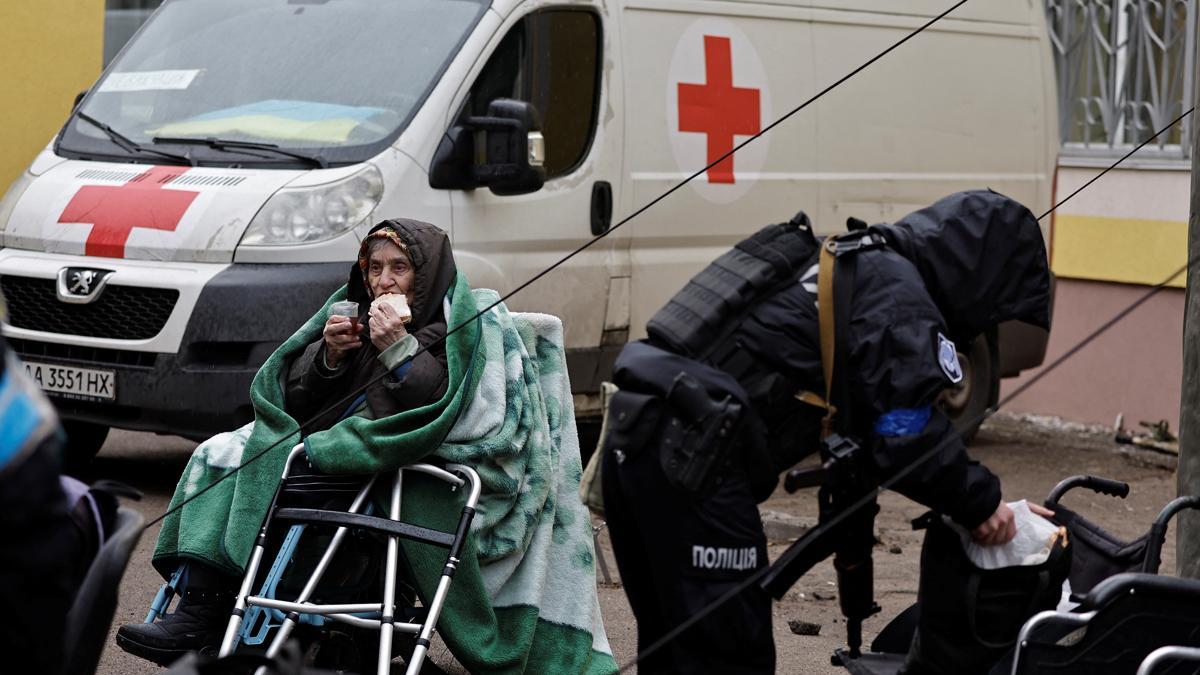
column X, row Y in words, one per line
column 341, row 336
column 998, row 529
column 1041, row 510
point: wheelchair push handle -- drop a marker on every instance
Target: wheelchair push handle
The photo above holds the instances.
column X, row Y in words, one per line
column 1158, row 531
column 1176, row 505
column 1107, row 486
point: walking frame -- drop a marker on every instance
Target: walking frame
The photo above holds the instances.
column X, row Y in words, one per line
column 379, row 616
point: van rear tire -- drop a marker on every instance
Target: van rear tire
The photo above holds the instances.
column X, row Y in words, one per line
column 966, row 402
column 84, row 440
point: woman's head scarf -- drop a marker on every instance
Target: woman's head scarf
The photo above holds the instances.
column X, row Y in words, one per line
column 428, row 249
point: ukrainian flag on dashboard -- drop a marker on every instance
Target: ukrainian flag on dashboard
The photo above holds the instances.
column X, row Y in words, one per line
column 281, row 120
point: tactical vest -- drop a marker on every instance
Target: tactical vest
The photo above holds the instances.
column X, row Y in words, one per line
column 700, row 317
column 700, row 320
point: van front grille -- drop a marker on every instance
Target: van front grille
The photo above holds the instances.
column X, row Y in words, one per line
column 78, row 354
column 120, row 313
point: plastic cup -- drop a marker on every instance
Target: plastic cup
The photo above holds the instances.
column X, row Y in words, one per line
column 348, row 309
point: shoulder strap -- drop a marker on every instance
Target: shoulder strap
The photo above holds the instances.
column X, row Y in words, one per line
column 827, row 326
column 827, row 317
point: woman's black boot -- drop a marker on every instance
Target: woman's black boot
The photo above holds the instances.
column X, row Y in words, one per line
column 199, row 620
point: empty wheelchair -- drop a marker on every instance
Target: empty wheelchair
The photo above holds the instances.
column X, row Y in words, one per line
column 1115, row 625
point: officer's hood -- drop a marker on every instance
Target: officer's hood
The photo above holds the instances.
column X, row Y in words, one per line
column 982, row 258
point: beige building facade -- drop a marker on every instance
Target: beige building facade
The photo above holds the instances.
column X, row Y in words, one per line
column 1126, row 68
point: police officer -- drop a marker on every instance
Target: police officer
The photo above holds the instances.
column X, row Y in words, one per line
column 729, row 391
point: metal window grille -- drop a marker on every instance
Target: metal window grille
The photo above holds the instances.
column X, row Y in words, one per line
column 1126, row 68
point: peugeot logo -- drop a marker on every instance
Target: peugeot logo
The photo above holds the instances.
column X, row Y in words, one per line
column 81, row 285
column 80, row 281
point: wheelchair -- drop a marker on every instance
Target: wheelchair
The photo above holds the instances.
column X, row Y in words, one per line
column 1125, row 610
column 1165, row 655
column 336, row 628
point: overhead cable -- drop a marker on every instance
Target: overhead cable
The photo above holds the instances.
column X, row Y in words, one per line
column 341, row 403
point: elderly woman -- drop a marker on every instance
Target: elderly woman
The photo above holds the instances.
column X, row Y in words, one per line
column 379, row 393
column 401, row 257
column 397, row 257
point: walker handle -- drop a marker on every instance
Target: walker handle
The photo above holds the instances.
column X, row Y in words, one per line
column 1114, row 488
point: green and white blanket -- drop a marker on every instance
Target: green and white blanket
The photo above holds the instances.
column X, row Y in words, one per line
column 524, row 597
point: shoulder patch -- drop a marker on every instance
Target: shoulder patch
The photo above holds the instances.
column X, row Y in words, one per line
column 948, row 359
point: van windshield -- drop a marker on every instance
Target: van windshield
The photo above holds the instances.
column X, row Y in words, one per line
column 336, row 79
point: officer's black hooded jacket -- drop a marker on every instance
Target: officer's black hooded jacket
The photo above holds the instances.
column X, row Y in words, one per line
column 956, row 268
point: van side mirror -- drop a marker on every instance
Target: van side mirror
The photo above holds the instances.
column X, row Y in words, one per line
column 79, row 99
column 504, row 151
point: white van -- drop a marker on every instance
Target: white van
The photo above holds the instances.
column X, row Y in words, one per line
column 210, row 190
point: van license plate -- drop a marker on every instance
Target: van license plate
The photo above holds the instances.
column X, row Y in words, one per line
column 73, row 382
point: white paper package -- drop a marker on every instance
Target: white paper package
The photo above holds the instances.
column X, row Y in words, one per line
column 1031, row 546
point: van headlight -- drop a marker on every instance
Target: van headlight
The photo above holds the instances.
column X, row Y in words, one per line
column 303, row 215
column 9, row 201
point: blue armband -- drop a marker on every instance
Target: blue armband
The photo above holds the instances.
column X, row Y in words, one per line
column 903, row 421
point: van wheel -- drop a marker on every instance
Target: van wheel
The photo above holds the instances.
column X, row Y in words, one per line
column 84, row 440
column 965, row 402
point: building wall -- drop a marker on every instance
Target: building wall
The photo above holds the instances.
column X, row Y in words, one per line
column 1110, row 245
column 1129, row 227
column 1133, row 369
column 50, row 51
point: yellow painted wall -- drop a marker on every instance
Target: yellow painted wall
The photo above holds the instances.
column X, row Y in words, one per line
column 50, row 50
column 1130, row 227
column 1125, row 250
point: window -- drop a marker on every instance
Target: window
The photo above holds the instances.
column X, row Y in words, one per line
column 1126, row 68
column 338, row 78
column 551, row 60
column 122, row 18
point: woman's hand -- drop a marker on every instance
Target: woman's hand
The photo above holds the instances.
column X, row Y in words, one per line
column 998, row 529
column 386, row 326
column 341, row 336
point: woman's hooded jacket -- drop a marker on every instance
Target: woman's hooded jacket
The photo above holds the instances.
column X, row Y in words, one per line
column 312, row 387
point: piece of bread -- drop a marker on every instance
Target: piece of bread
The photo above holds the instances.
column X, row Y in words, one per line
column 398, row 303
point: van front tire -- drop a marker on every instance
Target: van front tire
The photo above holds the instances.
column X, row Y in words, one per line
column 84, row 440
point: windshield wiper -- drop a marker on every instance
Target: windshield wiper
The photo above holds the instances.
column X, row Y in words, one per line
column 129, row 145
column 241, row 146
